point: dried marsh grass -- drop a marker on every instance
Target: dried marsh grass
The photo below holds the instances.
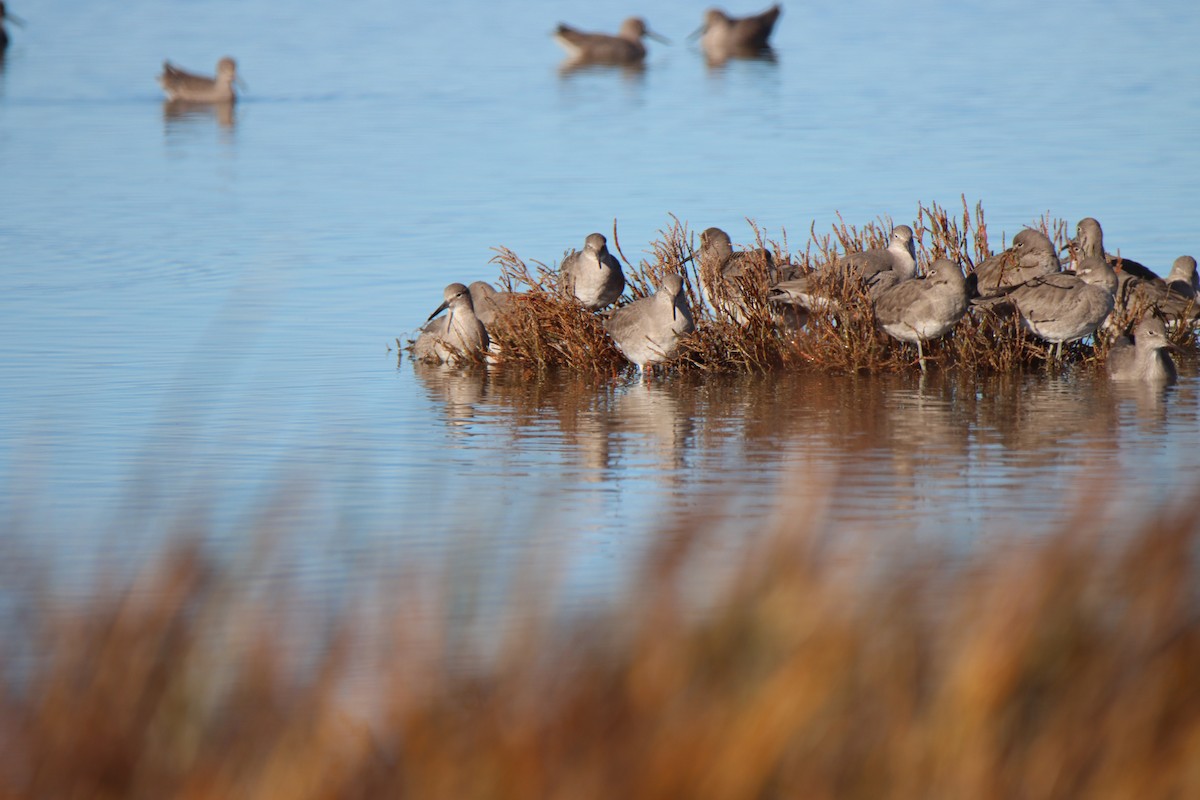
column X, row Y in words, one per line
column 549, row 330
column 1053, row 666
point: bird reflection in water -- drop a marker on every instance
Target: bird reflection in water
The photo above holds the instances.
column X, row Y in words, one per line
column 459, row 391
column 184, row 111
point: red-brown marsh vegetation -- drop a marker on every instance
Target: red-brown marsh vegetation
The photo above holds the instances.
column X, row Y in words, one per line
column 818, row 663
column 547, row 329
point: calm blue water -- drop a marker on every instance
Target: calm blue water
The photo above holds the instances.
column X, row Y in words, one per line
column 199, row 315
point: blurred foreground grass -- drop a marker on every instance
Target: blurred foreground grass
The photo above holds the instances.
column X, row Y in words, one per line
column 815, row 665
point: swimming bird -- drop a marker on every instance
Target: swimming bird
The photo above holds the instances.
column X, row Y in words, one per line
column 1031, row 254
column 457, row 336
column 921, row 309
column 1147, row 357
column 723, row 37
column 593, row 275
column 7, row 17
column 725, row 273
column 647, row 331
column 489, row 304
column 1062, row 306
column 185, row 87
column 600, row 48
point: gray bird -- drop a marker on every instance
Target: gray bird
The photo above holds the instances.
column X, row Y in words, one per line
column 1146, row 358
column 1182, row 278
column 1031, row 254
column 593, row 275
column 877, row 269
column 489, row 304
column 725, row 273
column 1136, row 296
column 900, row 256
column 1089, row 242
column 1063, row 306
column 922, row 309
column 457, row 336
column 648, row 330
column 723, row 37
column 601, row 48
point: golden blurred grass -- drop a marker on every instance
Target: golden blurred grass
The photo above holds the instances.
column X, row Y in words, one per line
column 815, row 664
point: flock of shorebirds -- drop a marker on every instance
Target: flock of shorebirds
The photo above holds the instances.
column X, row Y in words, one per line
column 722, row 37
column 1027, row 280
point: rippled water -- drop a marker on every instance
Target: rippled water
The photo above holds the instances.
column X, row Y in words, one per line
column 198, row 314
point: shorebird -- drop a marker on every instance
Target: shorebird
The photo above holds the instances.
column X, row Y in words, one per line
column 921, row 309
column 1146, row 358
column 1172, row 301
column 1182, row 278
column 7, row 17
column 1031, row 254
column 725, row 273
column 877, row 269
column 188, row 88
column 1062, row 307
column 723, row 37
column 648, row 330
column 805, row 292
column 600, row 48
column 1089, row 242
column 900, row 256
column 489, row 304
column 593, row 275
column 458, row 335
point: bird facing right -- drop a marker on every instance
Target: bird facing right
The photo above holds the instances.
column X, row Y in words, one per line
column 920, row 309
column 182, row 86
column 1062, row 307
column 625, row 48
column 1146, row 358
column 900, row 256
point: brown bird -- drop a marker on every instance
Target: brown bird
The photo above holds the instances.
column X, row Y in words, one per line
column 185, row 87
column 601, row 48
column 724, row 271
column 1031, row 254
column 723, row 37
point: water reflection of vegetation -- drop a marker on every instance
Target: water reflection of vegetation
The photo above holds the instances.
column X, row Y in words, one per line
column 813, row 666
